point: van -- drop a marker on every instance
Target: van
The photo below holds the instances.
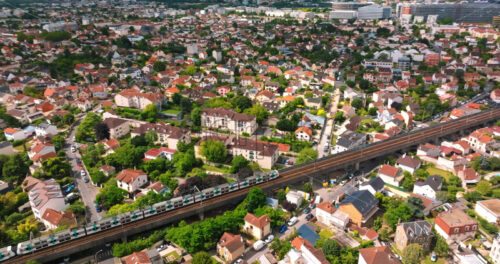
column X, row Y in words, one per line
column 258, row 245
column 317, row 200
column 293, row 221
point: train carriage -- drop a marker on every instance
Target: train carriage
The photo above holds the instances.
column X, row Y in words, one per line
column 252, row 180
column 233, row 186
column 205, row 194
column 177, row 202
column 6, row 253
column 131, row 216
column 188, row 199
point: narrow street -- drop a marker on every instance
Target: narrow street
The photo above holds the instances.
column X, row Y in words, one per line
column 87, row 190
column 327, row 132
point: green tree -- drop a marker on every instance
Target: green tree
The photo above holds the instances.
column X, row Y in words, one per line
column 239, row 162
column 331, row 248
column 151, row 137
column 15, row 169
column 58, row 141
column 306, row 154
column 417, row 206
column 308, row 188
column 412, row 254
column 159, row 66
column 339, row 117
column 68, row 119
column 484, row 187
column 440, row 247
column 101, row 131
column 78, row 208
column 255, row 199
column 32, row 91
column 240, row 103
column 202, row 257
column 259, row 112
column 150, row 113
column 85, row 131
column 473, row 196
column 196, row 116
column 357, row 103
column 281, row 195
column 408, row 181
column 126, row 156
column 214, row 151
column 110, row 195
column 190, row 70
column 286, row 125
column 56, row 168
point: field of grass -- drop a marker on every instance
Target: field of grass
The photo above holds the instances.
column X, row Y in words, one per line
column 428, row 261
column 440, row 172
column 213, row 168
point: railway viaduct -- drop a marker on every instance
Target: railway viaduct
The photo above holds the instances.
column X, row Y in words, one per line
column 287, row 176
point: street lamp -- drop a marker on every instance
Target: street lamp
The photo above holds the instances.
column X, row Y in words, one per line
column 95, row 256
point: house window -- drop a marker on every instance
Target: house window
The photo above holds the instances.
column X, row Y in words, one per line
column 467, row 228
column 474, row 227
column 457, row 229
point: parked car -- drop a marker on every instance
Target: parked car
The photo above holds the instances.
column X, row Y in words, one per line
column 238, row 261
column 83, row 173
column 283, row 229
column 258, row 245
column 86, row 179
column 70, row 188
column 293, row 221
column 269, row 239
column 290, row 162
column 309, row 217
column 307, row 210
column 97, row 207
column 313, row 206
column 433, row 257
column 73, row 149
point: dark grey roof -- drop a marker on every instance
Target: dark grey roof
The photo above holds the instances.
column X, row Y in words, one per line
column 417, row 228
column 363, row 200
column 344, row 142
column 434, row 181
column 376, row 183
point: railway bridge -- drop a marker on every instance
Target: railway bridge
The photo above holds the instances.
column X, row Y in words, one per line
column 287, row 176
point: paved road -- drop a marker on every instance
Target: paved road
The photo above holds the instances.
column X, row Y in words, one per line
column 87, row 190
column 329, row 125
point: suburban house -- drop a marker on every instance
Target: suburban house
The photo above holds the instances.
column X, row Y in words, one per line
column 348, row 140
column 133, row 98
column 167, row 134
column 164, row 153
column 377, row 255
column 296, row 197
column 307, row 253
column 469, row 176
column 41, row 149
column 44, row 194
column 455, row 225
column 327, row 214
column 419, row 232
column 130, row 180
column 489, row 210
column 429, row 187
column 17, row 133
column 230, row 247
column 264, row 153
column 118, row 127
column 408, row 163
column 303, row 133
column 495, row 249
column 374, row 185
column 258, row 227
column 228, row 119
column 390, row 174
column 53, row 219
column 143, row 257
column 360, row 206
column 44, row 129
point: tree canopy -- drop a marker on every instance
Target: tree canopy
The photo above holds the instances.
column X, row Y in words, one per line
column 214, row 151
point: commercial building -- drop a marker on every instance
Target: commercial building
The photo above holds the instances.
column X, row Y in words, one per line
column 374, row 12
column 348, row 5
column 463, row 12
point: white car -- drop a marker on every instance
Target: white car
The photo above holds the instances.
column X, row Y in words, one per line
column 269, row 239
column 238, row 261
column 83, row 173
column 73, row 149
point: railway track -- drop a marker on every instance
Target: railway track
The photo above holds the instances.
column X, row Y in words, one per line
column 286, row 175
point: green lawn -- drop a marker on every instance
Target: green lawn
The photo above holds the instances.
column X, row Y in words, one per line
column 213, row 168
column 326, row 233
column 440, row 172
column 172, row 256
column 171, row 111
column 428, row 261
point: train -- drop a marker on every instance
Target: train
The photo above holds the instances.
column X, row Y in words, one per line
column 50, row 240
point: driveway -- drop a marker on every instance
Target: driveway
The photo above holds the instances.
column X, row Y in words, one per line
column 87, row 191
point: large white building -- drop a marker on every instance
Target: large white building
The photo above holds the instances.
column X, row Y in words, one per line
column 44, row 194
column 374, row 12
column 228, row 119
column 489, row 210
column 495, row 250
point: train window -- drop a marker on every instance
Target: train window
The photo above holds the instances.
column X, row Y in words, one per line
column 75, row 234
column 115, row 221
column 134, row 216
column 231, row 187
column 169, row 205
column 94, row 227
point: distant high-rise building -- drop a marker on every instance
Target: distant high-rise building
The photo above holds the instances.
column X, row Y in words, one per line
column 462, row 12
